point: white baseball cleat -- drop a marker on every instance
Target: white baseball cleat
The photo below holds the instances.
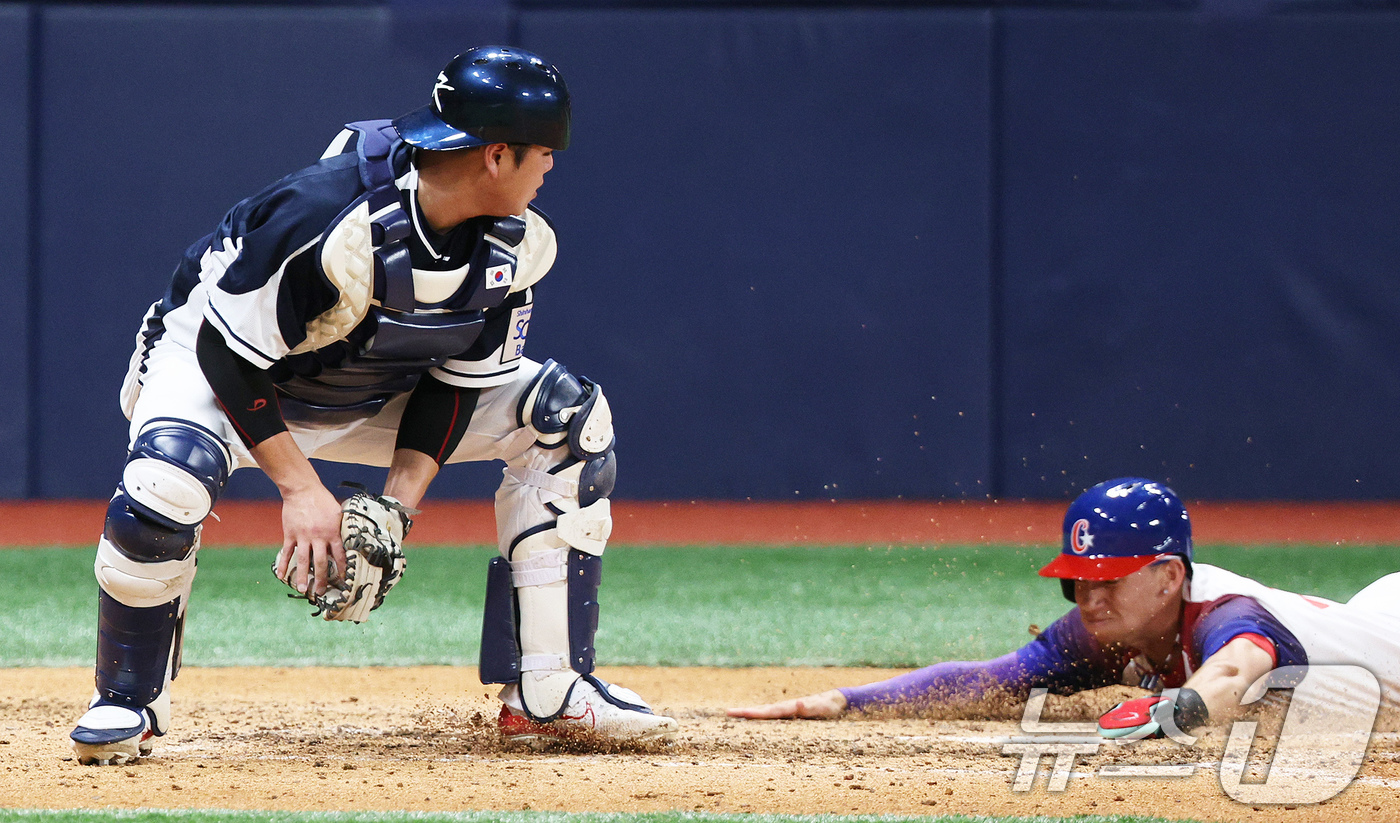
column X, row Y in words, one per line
column 113, row 735
column 596, row 712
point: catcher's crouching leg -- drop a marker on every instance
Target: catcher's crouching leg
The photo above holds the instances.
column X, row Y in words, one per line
column 554, row 520
column 145, row 567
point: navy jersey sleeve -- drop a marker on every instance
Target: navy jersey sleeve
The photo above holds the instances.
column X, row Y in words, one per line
column 1064, row 658
column 1242, row 615
column 259, row 266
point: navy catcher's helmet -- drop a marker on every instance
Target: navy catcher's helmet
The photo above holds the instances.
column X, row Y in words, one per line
column 1118, row 527
column 492, row 94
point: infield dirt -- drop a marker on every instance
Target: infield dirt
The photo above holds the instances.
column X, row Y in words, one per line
column 423, row 739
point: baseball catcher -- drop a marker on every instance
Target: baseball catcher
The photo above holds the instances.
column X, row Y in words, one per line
column 373, row 308
column 1195, row 636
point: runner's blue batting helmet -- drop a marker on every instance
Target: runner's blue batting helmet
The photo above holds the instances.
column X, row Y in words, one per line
column 1118, row 527
column 492, row 94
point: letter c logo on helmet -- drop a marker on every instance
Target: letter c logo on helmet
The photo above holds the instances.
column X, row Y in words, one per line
column 1080, row 541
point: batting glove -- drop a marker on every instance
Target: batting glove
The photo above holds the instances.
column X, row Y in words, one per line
column 1158, row 715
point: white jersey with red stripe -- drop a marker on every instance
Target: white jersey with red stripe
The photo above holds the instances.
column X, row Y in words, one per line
column 1364, row 631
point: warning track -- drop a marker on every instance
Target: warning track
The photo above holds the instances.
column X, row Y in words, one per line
column 822, row 523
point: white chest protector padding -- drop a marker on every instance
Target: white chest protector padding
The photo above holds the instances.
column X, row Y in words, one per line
column 348, row 261
column 347, row 258
column 535, row 254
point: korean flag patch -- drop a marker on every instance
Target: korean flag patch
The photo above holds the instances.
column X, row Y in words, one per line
column 500, row 276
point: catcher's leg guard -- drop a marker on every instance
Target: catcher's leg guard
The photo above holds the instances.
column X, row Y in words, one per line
column 553, row 519
column 145, row 567
column 501, row 659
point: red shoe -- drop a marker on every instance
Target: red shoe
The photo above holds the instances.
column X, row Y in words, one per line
column 517, row 728
column 590, row 716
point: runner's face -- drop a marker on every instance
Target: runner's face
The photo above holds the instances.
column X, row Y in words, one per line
column 1126, row 610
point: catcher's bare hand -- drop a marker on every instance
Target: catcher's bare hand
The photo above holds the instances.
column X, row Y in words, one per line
column 815, row 706
column 372, row 529
column 312, row 556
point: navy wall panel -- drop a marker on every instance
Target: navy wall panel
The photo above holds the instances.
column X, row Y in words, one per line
column 776, row 232
column 1200, row 254
column 14, row 249
column 773, row 247
column 155, row 121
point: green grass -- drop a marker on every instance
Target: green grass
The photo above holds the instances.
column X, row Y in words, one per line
column 899, row 607
column 223, row 816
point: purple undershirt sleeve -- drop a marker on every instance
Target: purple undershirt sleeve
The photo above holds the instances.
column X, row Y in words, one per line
column 1064, row 658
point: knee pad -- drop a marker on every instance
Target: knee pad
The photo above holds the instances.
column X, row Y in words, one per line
column 561, row 407
column 172, row 478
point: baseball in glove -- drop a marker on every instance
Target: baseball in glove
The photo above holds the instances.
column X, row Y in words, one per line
column 372, row 529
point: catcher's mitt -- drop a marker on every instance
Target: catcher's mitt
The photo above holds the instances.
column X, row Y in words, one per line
column 372, row 529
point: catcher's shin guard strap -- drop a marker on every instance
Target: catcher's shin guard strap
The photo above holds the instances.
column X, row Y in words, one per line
column 543, row 567
column 500, row 648
column 561, row 487
column 134, row 650
column 542, row 663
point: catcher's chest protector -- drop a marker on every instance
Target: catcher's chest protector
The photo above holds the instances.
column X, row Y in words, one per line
column 402, row 335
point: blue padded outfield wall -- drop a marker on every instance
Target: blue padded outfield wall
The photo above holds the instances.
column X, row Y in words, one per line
column 15, row 271
column 811, row 252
